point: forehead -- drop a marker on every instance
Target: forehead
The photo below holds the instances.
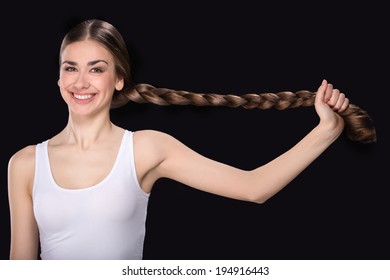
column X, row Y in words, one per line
column 84, row 51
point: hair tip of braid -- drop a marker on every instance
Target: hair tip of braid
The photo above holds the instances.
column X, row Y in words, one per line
column 367, row 139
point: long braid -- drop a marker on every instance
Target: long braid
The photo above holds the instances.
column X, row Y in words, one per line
column 359, row 125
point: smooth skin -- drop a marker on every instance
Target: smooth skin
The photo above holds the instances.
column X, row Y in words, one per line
column 83, row 153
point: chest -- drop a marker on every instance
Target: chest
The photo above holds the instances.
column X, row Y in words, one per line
column 75, row 169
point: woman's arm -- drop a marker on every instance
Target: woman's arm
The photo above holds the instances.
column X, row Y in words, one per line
column 24, row 230
column 172, row 159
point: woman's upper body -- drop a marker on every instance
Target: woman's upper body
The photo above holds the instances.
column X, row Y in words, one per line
column 84, row 152
column 105, row 219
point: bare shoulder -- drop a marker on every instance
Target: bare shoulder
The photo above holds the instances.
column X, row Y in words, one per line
column 21, row 164
column 24, row 156
column 150, row 135
column 153, row 139
column 151, row 148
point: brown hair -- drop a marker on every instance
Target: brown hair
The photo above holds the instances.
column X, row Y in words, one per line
column 359, row 125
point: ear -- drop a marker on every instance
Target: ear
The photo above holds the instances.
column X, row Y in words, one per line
column 119, row 84
column 58, row 82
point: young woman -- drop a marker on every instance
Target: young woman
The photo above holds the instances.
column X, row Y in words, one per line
column 83, row 194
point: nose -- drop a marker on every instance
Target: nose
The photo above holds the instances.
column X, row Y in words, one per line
column 81, row 81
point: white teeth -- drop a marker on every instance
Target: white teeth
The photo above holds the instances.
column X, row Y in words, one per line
column 83, row 97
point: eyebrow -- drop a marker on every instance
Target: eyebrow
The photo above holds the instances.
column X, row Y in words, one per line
column 93, row 62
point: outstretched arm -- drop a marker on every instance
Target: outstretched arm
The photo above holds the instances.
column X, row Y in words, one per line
column 170, row 158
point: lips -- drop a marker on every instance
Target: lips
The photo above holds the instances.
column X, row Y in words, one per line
column 83, row 96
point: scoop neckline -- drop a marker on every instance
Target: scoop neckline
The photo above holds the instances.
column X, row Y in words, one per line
column 97, row 185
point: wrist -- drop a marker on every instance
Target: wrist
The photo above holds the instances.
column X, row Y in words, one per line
column 330, row 130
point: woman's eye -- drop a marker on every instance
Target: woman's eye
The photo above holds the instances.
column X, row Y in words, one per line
column 96, row 70
column 70, row 69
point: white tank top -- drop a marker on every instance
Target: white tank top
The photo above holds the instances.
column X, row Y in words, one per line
column 104, row 221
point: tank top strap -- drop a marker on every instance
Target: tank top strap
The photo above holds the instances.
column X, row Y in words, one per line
column 126, row 162
column 42, row 167
column 125, row 153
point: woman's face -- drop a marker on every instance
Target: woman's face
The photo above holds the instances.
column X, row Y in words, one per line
column 87, row 77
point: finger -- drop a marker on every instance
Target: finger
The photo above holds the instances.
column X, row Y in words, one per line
column 339, row 102
column 321, row 91
column 333, row 98
column 345, row 105
column 328, row 93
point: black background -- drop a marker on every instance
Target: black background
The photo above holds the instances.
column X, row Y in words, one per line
column 336, row 209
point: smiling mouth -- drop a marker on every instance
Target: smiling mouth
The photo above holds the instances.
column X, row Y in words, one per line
column 83, row 96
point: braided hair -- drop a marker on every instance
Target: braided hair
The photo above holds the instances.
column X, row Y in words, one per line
column 358, row 124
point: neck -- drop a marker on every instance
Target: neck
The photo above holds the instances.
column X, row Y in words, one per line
column 84, row 131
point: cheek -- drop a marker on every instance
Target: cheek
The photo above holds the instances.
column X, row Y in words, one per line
column 106, row 84
column 64, row 81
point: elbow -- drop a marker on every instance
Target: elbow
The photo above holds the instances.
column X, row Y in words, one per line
column 257, row 198
column 257, row 194
column 256, row 190
column 260, row 200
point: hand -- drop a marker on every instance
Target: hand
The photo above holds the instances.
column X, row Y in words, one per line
column 328, row 103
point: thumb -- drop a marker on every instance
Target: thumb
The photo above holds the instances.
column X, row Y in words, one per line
column 320, row 95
